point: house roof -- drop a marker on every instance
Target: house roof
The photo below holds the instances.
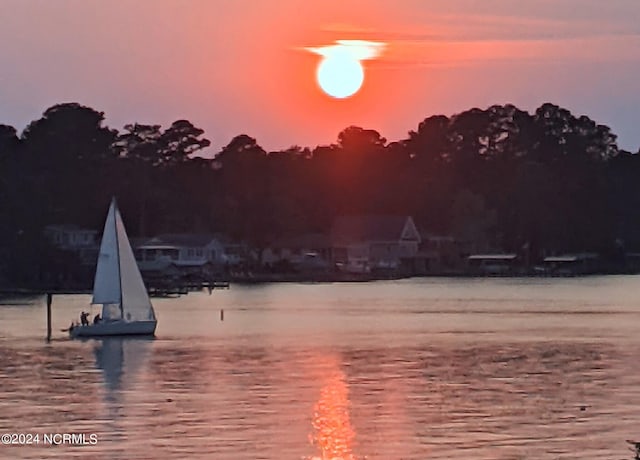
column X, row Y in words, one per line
column 493, row 257
column 350, row 229
column 190, row 240
column 157, row 246
column 571, row 257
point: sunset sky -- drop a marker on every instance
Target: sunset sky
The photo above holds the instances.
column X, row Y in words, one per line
column 244, row 66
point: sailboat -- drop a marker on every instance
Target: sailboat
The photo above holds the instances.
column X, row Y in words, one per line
column 118, row 287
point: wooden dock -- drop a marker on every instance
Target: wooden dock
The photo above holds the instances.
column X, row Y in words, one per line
column 180, row 289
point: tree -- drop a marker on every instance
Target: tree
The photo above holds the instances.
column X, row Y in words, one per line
column 10, row 178
column 179, row 141
column 241, row 151
column 149, row 144
column 151, row 157
column 63, row 156
column 140, row 143
column 242, row 200
column 355, row 139
column 562, row 136
column 430, row 144
column 534, row 215
column 68, row 132
column 471, row 221
column 550, row 181
column 9, row 141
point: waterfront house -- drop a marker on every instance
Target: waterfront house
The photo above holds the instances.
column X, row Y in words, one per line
column 493, row 264
column 308, row 252
column 67, row 237
column 441, row 254
column 571, row 264
column 373, row 243
column 186, row 254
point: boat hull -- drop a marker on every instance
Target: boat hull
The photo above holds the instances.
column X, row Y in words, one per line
column 115, row 328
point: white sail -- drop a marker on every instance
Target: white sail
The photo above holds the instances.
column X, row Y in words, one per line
column 106, row 285
column 118, row 284
column 136, row 305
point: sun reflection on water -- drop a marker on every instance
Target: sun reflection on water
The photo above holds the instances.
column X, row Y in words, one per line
column 332, row 433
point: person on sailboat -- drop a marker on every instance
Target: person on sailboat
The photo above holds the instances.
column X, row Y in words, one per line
column 83, row 318
column 96, row 319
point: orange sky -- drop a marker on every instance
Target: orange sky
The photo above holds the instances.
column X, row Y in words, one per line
column 239, row 66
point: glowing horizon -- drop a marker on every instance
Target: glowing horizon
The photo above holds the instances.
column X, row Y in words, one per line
column 223, row 66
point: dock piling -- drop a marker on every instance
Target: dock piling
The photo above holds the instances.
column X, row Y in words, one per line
column 49, row 300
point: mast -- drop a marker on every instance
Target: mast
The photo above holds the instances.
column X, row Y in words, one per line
column 115, row 224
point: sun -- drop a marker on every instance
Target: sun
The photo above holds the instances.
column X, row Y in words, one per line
column 340, row 76
column 340, row 73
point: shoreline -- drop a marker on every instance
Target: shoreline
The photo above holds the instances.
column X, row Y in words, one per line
column 9, row 291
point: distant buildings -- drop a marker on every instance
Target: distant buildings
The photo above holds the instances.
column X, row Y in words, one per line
column 359, row 245
column 167, row 255
column 80, row 241
column 370, row 244
column 571, row 264
column 309, row 252
column 175, row 253
column 493, row 264
column 365, row 246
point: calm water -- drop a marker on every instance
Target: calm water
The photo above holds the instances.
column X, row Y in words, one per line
column 416, row 369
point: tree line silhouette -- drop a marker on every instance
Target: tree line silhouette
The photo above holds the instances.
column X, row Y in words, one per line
column 503, row 178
